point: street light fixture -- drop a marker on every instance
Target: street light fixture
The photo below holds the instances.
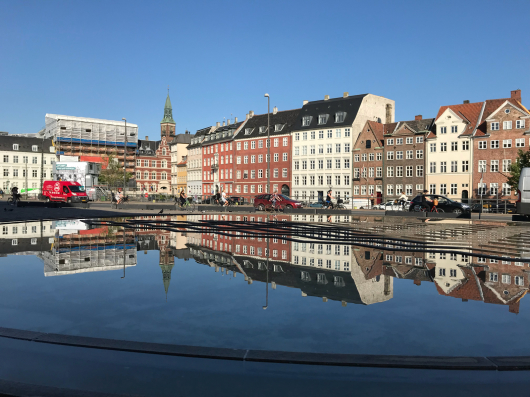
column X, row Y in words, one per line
column 268, row 144
column 125, row 159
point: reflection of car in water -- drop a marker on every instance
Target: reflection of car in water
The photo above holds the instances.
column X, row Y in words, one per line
column 444, row 204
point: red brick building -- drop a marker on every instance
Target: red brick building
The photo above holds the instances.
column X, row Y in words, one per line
column 250, row 168
column 503, row 130
column 218, row 159
column 368, row 162
column 153, row 166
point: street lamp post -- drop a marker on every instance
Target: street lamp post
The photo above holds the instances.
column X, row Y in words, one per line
column 268, row 144
column 125, row 158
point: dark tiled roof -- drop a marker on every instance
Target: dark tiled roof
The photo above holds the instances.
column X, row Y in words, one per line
column 229, row 132
column 416, row 125
column 200, row 134
column 286, row 119
column 24, row 143
column 350, row 105
column 181, row 138
column 147, row 148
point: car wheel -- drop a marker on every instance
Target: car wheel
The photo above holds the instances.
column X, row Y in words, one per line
column 440, row 210
column 69, row 200
column 288, row 206
column 457, row 211
column 261, row 207
column 48, row 199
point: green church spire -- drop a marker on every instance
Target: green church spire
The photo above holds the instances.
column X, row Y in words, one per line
column 168, row 111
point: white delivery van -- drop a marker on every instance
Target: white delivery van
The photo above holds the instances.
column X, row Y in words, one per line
column 523, row 193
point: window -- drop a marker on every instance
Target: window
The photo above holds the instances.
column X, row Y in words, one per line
column 506, row 279
column 494, row 189
column 419, row 170
column 390, row 190
column 482, row 166
column 379, row 156
column 506, row 165
column 482, row 145
column 432, row 167
column 34, row 173
column 494, row 126
column 337, row 163
column 519, row 142
column 432, row 147
column 337, row 148
column 506, row 189
column 329, row 148
column 389, row 172
column 276, row 142
column 347, row 132
column 419, row 154
column 443, row 147
column 465, row 165
column 323, row 118
column 399, row 171
column 454, row 166
column 390, row 155
column 285, row 142
column 465, row 145
column 34, row 148
column 419, row 139
column 399, row 141
column 306, row 120
column 506, row 125
column 443, row 130
column 519, row 124
column 443, row 188
column 368, row 144
column 454, row 188
column 481, row 189
column 408, row 190
column 276, row 157
column 15, row 146
column 454, row 129
column 346, row 148
column 494, row 144
column 410, row 154
column 432, row 188
column 494, row 166
column 399, row 155
column 379, row 172
column 390, row 141
column 339, row 117
column 409, row 171
column 454, row 146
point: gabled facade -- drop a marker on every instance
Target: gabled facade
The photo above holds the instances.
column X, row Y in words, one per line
column 450, row 151
column 179, row 151
column 153, row 166
column 504, row 129
column 251, row 153
column 404, row 158
column 368, row 163
column 323, row 137
column 194, row 161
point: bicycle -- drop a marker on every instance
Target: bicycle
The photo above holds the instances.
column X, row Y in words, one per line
column 187, row 206
column 14, row 200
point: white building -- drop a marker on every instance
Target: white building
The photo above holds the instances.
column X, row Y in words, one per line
column 194, row 161
column 179, row 151
column 323, row 140
column 26, row 163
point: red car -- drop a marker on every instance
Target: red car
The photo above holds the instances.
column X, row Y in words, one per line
column 263, row 202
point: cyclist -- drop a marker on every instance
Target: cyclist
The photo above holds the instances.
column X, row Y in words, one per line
column 275, row 197
column 223, row 201
column 403, row 199
column 426, row 202
column 329, row 197
column 182, row 198
column 14, row 193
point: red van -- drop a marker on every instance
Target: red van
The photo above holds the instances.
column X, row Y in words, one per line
column 68, row 192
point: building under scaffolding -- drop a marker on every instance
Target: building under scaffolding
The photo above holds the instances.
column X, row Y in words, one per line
column 92, row 139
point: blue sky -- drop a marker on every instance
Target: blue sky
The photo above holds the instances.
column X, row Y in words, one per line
column 114, row 59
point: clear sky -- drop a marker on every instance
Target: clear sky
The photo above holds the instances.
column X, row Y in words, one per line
column 114, row 59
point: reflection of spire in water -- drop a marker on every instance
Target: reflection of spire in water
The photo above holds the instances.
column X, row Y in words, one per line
column 166, row 264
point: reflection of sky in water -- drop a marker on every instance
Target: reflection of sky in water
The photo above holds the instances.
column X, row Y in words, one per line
column 211, row 308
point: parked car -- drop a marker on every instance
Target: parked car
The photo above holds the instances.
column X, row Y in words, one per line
column 235, row 200
column 65, row 191
column 263, row 202
column 393, row 206
column 445, row 204
column 523, row 193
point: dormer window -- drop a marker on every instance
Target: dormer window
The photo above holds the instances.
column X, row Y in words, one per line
column 15, row 146
column 34, row 148
column 306, row 120
column 248, row 131
column 339, row 117
column 262, row 129
column 323, row 118
column 278, row 127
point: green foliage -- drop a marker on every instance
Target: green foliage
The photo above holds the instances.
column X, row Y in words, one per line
column 523, row 160
column 113, row 174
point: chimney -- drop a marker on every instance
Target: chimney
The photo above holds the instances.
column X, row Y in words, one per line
column 466, row 101
column 235, row 120
column 275, row 110
column 388, row 118
column 223, row 123
column 418, row 117
column 218, row 124
column 326, row 97
column 305, row 102
column 146, row 138
column 516, row 94
column 228, row 122
column 346, row 95
column 250, row 114
column 246, row 117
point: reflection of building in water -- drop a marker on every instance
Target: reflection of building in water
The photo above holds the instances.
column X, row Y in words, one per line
column 26, row 237
column 92, row 250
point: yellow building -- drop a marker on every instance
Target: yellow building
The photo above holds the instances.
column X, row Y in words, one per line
column 182, row 176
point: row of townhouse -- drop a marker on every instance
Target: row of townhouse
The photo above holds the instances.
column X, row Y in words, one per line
column 465, row 152
column 353, row 146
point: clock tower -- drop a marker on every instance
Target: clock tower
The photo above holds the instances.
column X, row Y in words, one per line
column 167, row 125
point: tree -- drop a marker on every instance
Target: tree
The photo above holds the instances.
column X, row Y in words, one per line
column 113, row 174
column 522, row 161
